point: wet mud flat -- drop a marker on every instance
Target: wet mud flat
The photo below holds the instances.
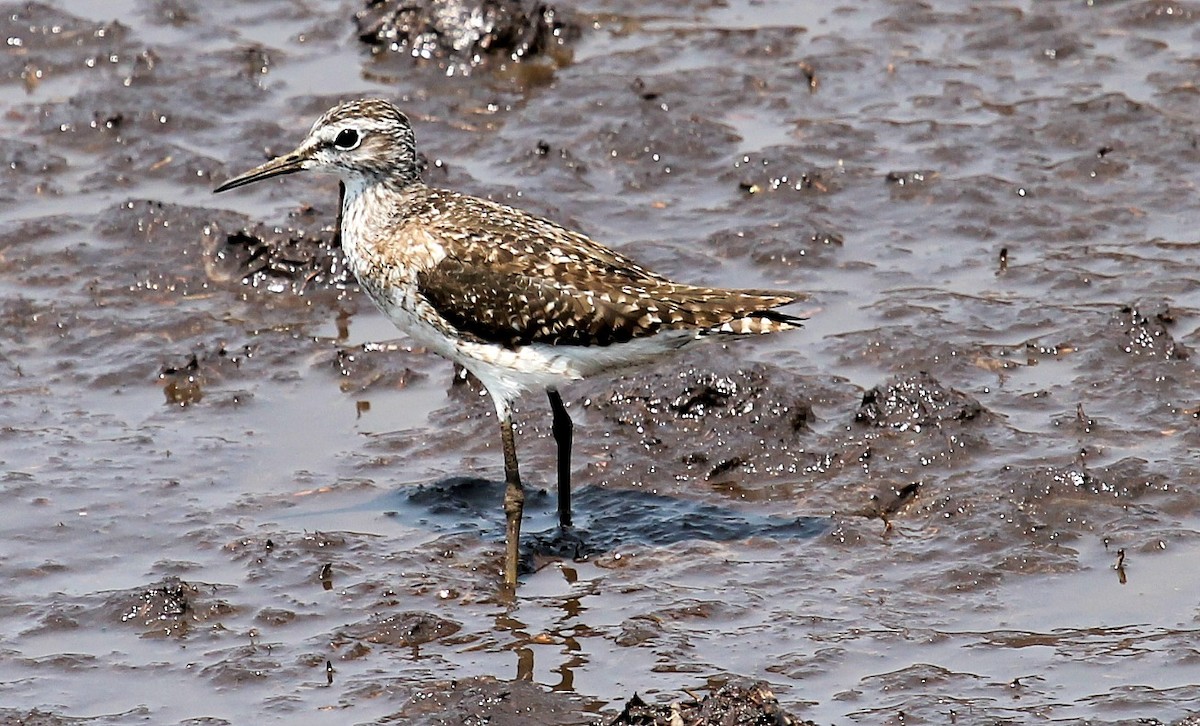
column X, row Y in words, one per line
column 966, row 492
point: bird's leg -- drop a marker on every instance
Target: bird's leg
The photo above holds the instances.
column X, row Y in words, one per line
column 514, row 502
column 563, row 430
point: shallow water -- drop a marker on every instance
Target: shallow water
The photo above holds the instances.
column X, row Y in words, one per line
column 1056, row 428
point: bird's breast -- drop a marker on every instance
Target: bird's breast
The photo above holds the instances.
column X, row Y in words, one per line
column 384, row 248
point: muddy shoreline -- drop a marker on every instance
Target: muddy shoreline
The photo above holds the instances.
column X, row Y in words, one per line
column 964, row 492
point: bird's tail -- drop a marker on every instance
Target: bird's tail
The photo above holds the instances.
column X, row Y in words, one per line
column 752, row 312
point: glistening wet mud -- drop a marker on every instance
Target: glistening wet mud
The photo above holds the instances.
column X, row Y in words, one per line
column 965, row 492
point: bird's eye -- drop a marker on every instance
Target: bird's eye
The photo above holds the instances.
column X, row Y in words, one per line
column 347, row 139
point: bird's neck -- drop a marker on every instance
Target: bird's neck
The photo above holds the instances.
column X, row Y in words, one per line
column 368, row 187
column 372, row 203
column 373, row 212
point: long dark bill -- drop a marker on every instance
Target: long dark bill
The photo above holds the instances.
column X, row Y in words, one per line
column 287, row 164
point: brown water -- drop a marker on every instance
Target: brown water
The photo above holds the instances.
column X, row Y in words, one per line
column 165, row 562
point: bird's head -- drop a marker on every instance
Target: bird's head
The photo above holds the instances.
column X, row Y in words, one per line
column 362, row 142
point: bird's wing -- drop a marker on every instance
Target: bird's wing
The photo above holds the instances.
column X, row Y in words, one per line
column 531, row 281
column 506, row 306
column 487, row 232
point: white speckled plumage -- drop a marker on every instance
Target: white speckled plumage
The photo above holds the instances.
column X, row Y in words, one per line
column 519, row 301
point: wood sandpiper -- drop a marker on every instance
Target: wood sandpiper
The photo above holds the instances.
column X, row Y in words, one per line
column 517, row 300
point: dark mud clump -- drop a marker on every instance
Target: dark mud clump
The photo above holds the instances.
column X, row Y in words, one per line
column 407, row 629
column 372, row 366
column 38, row 717
column 486, row 700
column 915, row 402
column 730, row 706
column 1145, row 331
column 304, row 253
column 168, row 608
column 703, row 422
column 185, row 382
column 44, row 41
column 25, row 168
column 282, row 259
column 464, row 31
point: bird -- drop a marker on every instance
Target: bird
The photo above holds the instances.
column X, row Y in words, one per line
column 521, row 302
